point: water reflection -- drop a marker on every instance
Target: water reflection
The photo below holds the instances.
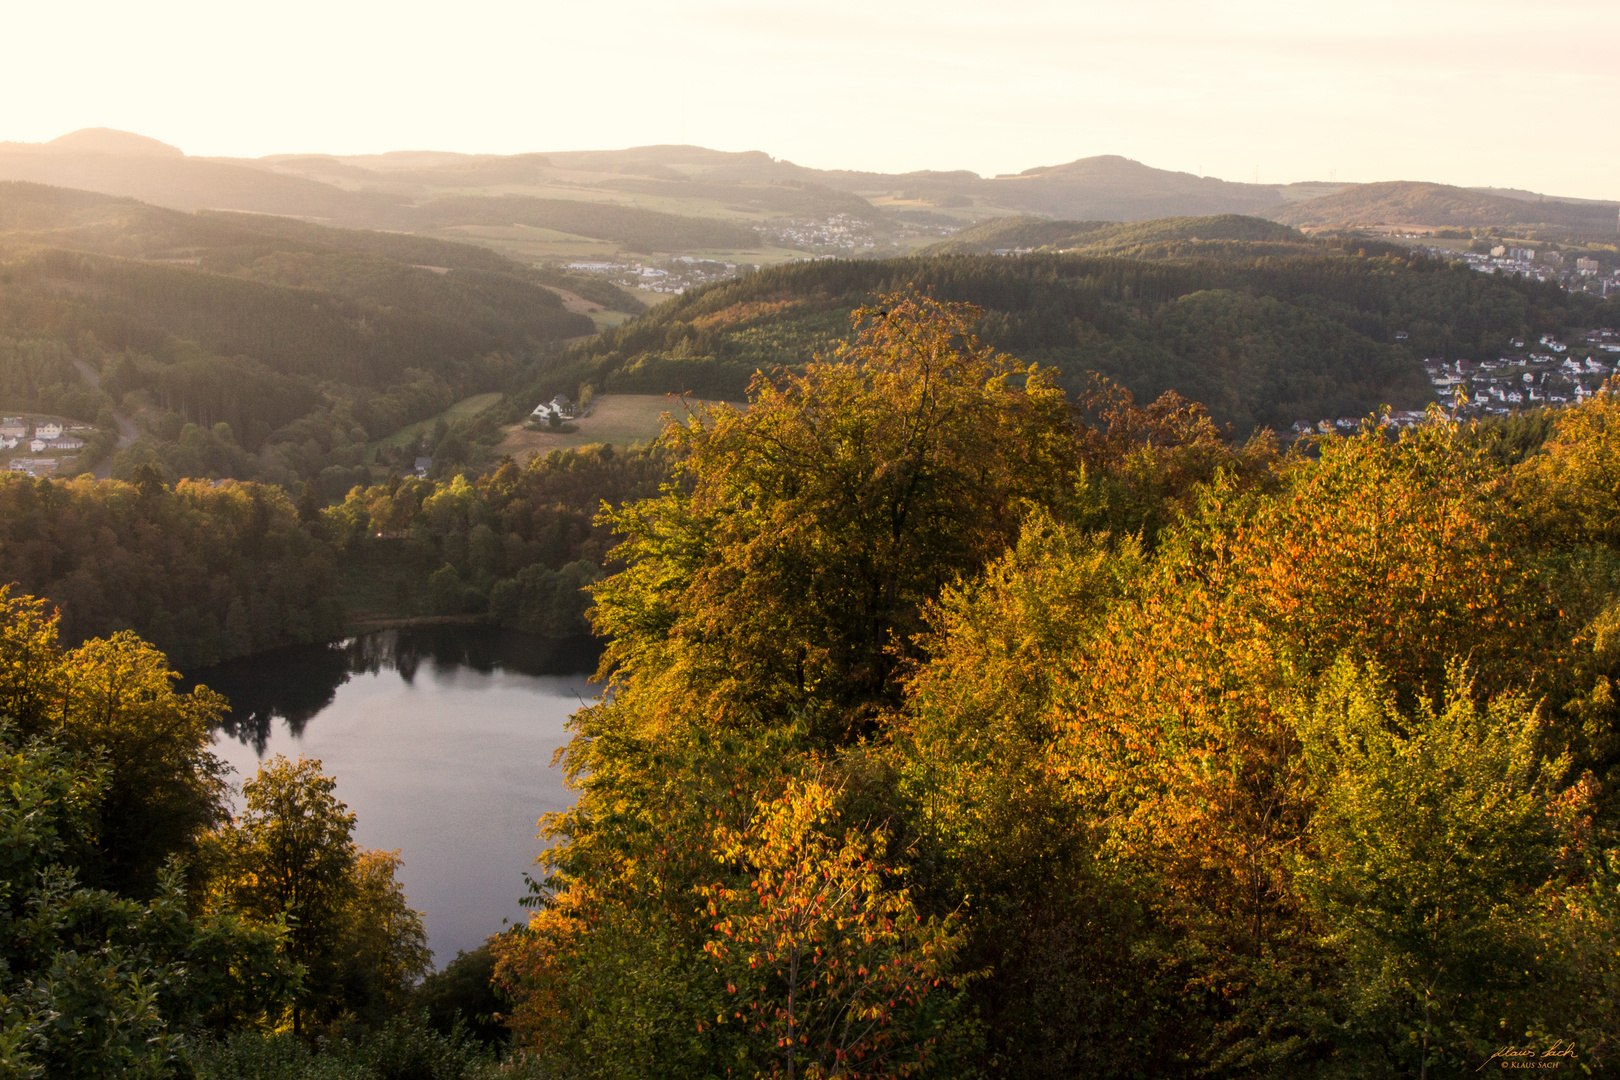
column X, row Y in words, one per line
column 441, row 740
column 295, row 684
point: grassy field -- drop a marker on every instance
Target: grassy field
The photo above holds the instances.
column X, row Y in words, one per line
column 461, row 410
column 526, row 243
column 620, row 419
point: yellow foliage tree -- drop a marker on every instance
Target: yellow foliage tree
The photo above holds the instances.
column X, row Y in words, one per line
column 828, row 966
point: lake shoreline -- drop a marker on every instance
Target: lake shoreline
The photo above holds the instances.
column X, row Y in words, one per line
column 441, row 739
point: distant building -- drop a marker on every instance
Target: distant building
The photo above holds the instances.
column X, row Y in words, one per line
column 50, row 429
column 1587, row 266
column 560, row 406
column 37, row 446
column 423, row 464
column 13, row 427
column 66, row 442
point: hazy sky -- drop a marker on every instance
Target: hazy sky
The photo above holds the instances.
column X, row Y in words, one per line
column 1461, row 91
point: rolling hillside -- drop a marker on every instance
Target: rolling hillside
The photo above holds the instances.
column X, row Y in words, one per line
column 1441, row 206
column 1263, row 342
column 246, row 346
column 649, row 200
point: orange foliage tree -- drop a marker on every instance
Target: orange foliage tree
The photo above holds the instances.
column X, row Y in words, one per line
column 827, row 966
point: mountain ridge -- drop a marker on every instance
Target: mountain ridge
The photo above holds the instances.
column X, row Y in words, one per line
column 714, row 202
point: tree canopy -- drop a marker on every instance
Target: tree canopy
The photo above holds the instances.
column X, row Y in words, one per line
column 1150, row 753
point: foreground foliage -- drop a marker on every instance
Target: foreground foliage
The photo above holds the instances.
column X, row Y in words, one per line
column 139, row 918
column 1024, row 740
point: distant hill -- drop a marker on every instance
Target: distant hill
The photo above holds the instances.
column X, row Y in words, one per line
column 643, row 230
column 1112, row 188
column 184, row 183
column 109, row 141
column 1107, row 187
column 383, row 191
column 1536, row 196
column 1192, row 236
column 1425, row 205
column 692, row 200
column 252, row 346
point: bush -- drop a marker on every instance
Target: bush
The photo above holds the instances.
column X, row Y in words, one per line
column 405, row 1048
column 464, row 993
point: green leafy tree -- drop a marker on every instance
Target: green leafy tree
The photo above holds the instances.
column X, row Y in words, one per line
column 97, row 985
column 115, row 698
column 291, row 857
column 1432, row 858
column 294, row 860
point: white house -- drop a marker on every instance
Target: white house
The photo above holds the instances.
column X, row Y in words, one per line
column 66, row 442
column 50, row 429
column 561, row 406
column 37, row 446
column 13, row 427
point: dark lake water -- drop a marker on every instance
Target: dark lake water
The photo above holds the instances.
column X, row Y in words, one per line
column 441, row 740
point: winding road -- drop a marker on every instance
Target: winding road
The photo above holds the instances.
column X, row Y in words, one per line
column 126, row 426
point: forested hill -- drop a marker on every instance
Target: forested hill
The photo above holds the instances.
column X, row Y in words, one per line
column 1262, row 341
column 249, row 346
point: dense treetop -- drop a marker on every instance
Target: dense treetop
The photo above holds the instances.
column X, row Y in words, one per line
column 1125, row 749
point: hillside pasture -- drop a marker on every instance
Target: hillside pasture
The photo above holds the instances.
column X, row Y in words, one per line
column 620, row 419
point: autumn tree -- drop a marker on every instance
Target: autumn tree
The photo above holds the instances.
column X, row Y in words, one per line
column 770, row 597
column 787, row 565
column 828, row 965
